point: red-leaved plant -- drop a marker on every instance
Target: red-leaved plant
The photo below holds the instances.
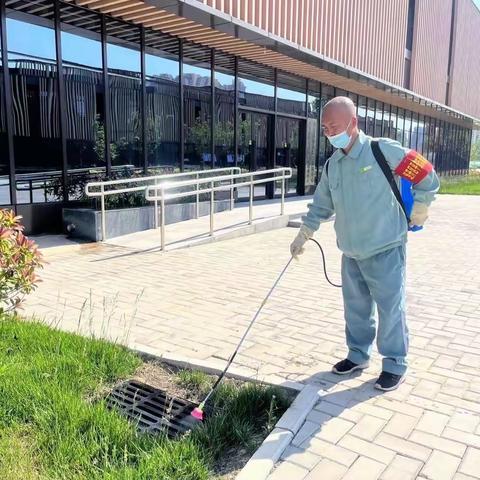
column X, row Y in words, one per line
column 19, row 258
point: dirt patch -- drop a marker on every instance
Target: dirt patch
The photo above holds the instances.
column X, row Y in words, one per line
column 231, row 465
column 161, row 376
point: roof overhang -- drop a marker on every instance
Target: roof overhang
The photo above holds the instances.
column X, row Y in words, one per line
column 199, row 23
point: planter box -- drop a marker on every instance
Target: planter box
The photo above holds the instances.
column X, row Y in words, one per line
column 88, row 223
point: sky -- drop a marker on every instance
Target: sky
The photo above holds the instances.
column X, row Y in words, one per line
column 477, row 3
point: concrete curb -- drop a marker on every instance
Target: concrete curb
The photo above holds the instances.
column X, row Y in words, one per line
column 265, row 458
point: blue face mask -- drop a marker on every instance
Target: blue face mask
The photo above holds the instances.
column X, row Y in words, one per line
column 342, row 139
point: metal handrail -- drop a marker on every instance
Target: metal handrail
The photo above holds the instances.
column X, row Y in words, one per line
column 160, row 192
column 156, row 179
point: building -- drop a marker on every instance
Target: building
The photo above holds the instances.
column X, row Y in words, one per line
column 97, row 88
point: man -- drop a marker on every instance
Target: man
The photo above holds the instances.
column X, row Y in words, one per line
column 371, row 230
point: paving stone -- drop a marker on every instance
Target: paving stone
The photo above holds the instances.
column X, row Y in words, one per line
column 304, row 458
column 368, row 427
column 432, row 422
column 367, row 449
column 463, row 437
column 438, row 443
column 461, row 476
column 400, row 425
column 400, row 407
column 471, row 463
column 465, row 421
column 307, row 431
column 333, row 430
column 440, row 466
column 402, row 468
column 327, row 470
column 333, row 452
column 404, row 447
column 374, row 410
column 288, row 470
column 365, row 469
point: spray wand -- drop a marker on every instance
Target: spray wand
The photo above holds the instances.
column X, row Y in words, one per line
column 198, row 411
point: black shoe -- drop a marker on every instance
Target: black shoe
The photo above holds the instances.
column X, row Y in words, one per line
column 389, row 381
column 346, row 366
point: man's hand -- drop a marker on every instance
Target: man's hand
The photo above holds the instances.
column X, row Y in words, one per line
column 419, row 214
column 296, row 248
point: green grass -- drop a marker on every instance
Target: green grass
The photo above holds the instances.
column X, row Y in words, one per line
column 193, row 380
column 52, row 425
column 467, row 185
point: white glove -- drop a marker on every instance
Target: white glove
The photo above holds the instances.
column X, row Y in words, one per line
column 419, row 214
column 296, row 248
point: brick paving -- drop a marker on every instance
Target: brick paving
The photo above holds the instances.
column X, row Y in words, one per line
column 195, row 303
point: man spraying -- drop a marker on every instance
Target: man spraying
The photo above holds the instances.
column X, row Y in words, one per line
column 371, row 227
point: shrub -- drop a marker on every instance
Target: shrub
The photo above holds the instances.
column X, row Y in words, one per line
column 19, row 258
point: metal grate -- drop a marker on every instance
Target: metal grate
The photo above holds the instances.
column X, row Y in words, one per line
column 153, row 410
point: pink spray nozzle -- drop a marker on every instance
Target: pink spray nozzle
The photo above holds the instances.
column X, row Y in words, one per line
column 197, row 413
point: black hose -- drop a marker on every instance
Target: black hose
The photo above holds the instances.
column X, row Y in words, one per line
column 325, row 264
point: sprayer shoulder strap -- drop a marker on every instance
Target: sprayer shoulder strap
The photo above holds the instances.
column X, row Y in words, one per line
column 382, row 162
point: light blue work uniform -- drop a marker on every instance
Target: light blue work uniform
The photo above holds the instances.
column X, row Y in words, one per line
column 371, row 232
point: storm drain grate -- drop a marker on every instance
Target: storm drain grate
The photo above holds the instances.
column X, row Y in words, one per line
column 152, row 410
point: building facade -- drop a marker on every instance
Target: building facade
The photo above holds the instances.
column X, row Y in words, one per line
column 112, row 88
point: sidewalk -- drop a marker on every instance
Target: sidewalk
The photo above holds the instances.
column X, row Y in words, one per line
column 195, row 303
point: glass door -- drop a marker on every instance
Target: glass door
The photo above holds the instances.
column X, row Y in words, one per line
column 289, row 151
column 254, row 148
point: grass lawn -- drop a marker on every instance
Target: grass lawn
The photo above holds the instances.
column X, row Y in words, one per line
column 54, row 425
column 468, row 185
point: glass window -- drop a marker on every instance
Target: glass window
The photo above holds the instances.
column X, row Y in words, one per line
column 326, row 149
column 378, row 119
column 162, row 121
column 393, row 122
column 291, row 95
column 197, row 110
column 255, row 86
column 467, row 145
column 313, row 103
column 400, row 125
column 84, row 98
column 426, row 133
column 354, row 98
column 4, row 159
column 386, row 121
column 370, row 117
column 407, row 125
column 420, row 135
column 414, row 131
column 362, row 113
column 457, row 148
column 313, row 127
column 437, row 146
column 224, row 129
column 436, row 137
column 125, row 87
column 36, row 135
column 287, row 151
